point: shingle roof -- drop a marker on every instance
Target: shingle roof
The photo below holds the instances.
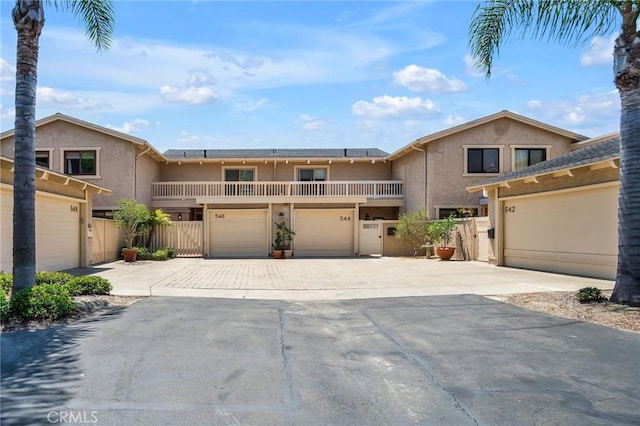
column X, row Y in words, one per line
column 605, row 150
column 198, row 154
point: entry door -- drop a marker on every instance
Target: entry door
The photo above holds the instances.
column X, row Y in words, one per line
column 482, row 239
column 370, row 237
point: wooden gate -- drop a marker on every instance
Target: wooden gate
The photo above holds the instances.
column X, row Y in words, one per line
column 106, row 240
column 186, row 237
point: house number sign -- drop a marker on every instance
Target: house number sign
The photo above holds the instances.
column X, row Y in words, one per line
column 345, row 218
column 73, row 209
column 219, row 216
column 509, row 209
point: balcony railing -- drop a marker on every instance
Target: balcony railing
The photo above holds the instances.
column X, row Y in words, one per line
column 192, row 190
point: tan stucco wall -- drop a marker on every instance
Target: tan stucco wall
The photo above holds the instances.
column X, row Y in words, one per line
column 410, row 169
column 445, row 168
column 117, row 160
column 391, row 246
column 445, row 180
column 283, row 172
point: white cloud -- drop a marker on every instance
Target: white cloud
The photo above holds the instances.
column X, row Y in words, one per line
column 7, row 113
column 586, row 113
column 419, row 79
column 453, row 120
column 389, row 107
column 131, row 126
column 190, row 95
column 600, row 52
column 309, row 122
column 470, row 67
column 7, row 72
column 251, row 106
column 66, row 99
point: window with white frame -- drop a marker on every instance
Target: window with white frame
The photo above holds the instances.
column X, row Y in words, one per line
column 311, row 174
column 525, row 156
column 482, row 159
column 83, row 162
column 43, row 158
column 234, row 176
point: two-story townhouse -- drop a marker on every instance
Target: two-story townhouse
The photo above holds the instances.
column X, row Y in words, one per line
column 438, row 168
column 125, row 164
column 329, row 197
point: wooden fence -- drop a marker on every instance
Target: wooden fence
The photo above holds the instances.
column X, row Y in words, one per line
column 106, row 241
column 186, row 237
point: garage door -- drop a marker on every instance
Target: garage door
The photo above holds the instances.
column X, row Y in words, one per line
column 326, row 232
column 570, row 232
column 57, row 233
column 238, row 233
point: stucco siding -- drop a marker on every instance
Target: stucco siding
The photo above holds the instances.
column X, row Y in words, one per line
column 148, row 171
column 410, row 169
column 446, row 172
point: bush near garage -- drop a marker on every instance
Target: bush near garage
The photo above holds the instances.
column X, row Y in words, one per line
column 6, row 282
column 88, row 285
column 42, row 302
column 590, row 294
column 57, row 278
column 4, row 305
column 162, row 253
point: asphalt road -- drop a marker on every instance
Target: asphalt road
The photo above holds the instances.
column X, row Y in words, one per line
column 449, row 360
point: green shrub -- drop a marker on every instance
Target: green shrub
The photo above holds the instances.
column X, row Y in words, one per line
column 4, row 305
column 160, row 254
column 80, row 286
column 6, row 282
column 143, row 253
column 171, row 252
column 42, row 302
column 57, row 278
column 590, row 294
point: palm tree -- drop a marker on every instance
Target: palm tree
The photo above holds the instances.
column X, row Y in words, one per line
column 574, row 22
column 28, row 18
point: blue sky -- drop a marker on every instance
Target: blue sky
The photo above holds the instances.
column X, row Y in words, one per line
column 204, row 74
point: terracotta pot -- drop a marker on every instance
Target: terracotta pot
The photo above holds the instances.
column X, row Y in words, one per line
column 278, row 254
column 445, row 253
column 129, row 254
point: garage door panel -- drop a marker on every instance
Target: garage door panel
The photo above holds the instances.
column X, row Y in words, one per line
column 57, row 233
column 571, row 232
column 237, row 233
column 325, row 232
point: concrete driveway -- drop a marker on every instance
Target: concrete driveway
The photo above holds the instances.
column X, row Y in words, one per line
column 327, row 279
column 442, row 360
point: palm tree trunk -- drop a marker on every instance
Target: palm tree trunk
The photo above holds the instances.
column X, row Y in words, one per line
column 627, row 288
column 28, row 18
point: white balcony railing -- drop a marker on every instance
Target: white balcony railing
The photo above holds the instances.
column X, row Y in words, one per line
column 191, row 190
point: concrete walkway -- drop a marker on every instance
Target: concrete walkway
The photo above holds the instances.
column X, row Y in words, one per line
column 327, row 279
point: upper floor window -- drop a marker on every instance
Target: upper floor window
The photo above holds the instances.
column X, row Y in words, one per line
column 525, row 157
column 312, row 174
column 239, row 175
column 81, row 162
column 483, row 160
column 43, row 159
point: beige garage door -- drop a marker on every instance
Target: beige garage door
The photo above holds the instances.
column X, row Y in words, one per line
column 57, row 233
column 569, row 232
column 326, row 232
column 238, row 233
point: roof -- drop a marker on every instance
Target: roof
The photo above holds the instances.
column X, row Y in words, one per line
column 608, row 149
column 483, row 120
column 62, row 117
column 60, row 178
column 262, row 154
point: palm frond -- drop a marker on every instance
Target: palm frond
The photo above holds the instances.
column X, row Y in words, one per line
column 97, row 17
column 569, row 22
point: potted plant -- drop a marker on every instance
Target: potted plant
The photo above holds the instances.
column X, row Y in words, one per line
column 282, row 240
column 133, row 218
column 440, row 233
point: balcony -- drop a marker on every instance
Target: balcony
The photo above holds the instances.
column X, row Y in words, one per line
column 239, row 190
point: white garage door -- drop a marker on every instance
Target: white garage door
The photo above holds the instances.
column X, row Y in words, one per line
column 238, row 233
column 57, row 233
column 570, row 232
column 325, row 232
